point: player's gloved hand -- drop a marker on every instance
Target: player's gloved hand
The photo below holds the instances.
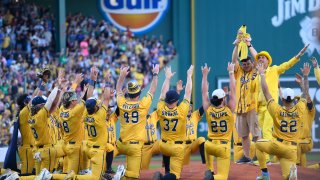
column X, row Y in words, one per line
column 37, row 156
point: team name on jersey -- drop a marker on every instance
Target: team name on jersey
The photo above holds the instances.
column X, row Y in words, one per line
column 64, row 114
column 289, row 114
column 31, row 121
column 130, row 106
column 89, row 119
column 169, row 113
column 219, row 114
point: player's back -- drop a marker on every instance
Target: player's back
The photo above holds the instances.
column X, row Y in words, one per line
column 220, row 123
column 71, row 121
column 287, row 122
column 39, row 127
column 173, row 121
column 96, row 127
column 133, row 116
column 26, row 133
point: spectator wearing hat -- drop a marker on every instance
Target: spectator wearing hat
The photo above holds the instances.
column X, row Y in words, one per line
column 272, row 74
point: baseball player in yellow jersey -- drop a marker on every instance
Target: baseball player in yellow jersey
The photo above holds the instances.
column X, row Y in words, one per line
column 286, row 130
column 194, row 143
column 316, row 69
column 26, row 148
column 272, row 75
column 151, row 143
column 246, row 92
column 220, row 119
column 173, row 124
column 133, row 115
column 71, row 113
column 40, row 110
column 305, row 140
column 95, row 124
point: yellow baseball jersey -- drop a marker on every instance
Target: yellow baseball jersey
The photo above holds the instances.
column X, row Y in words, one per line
column 39, row 125
column 26, row 134
column 272, row 78
column 151, row 127
column 173, row 121
column 133, row 116
column 307, row 123
column 71, row 123
column 287, row 123
column 220, row 123
column 111, row 126
column 96, row 127
column 246, row 90
column 192, row 124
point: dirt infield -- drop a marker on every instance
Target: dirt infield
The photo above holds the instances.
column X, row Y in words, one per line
column 196, row 171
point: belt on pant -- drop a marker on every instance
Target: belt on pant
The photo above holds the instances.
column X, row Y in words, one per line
column 176, row 142
column 281, row 140
column 72, row 142
column 189, row 141
column 149, row 143
column 221, row 141
column 95, row 146
column 42, row 146
column 130, row 142
column 28, row 145
column 238, row 144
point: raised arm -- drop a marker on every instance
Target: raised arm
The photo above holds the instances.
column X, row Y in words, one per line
column 232, row 100
column 154, row 82
column 299, row 80
column 205, row 87
column 287, row 65
column 235, row 53
column 179, row 86
column 187, row 94
column 264, row 85
column 316, row 69
column 124, row 71
column 107, row 90
column 251, row 49
column 166, row 83
column 305, row 71
column 77, row 81
column 92, row 81
column 54, row 97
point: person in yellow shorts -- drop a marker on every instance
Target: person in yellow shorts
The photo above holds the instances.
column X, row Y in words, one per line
column 220, row 119
column 287, row 120
column 173, row 123
column 133, row 115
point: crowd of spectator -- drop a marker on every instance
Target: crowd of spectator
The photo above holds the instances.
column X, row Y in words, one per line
column 27, row 44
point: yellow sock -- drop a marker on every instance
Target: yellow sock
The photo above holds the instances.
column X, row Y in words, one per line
column 314, row 166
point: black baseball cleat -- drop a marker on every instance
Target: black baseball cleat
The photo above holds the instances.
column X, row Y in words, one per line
column 106, row 176
column 110, row 171
column 157, row 176
column 244, row 160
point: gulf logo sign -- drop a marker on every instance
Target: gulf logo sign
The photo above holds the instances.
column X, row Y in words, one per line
column 139, row 15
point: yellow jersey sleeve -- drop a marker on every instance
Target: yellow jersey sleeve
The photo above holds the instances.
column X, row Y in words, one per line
column 273, row 108
column 113, row 117
column 80, row 107
column 287, row 65
column 154, row 117
column 120, row 99
column 147, row 100
column 183, row 108
column 196, row 116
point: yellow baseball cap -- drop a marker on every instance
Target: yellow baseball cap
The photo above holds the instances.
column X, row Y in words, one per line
column 133, row 87
column 266, row 54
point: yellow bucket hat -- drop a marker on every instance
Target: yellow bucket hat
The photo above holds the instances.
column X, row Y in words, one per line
column 266, row 54
column 133, row 87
